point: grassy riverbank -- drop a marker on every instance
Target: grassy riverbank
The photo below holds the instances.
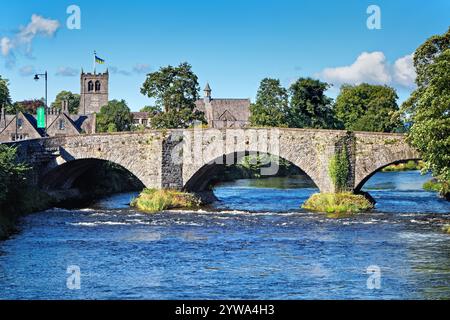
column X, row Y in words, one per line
column 337, row 205
column 154, row 200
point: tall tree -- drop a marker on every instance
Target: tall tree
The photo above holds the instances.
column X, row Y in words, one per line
column 367, row 107
column 27, row 106
column 114, row 117
column 429, row 106
column 5, row 99
column 309, row 106
column 73, row 98
column 271, row 105
column 175, row 90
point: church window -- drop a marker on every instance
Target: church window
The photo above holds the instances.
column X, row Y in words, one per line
column 97, row 85
column 62, row 124
column 90, row 86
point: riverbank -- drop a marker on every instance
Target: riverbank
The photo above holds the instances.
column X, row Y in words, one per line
column 407, row 166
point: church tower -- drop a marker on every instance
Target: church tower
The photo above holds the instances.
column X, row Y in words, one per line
column 93, row 92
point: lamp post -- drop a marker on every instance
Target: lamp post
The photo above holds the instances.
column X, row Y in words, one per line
column 37, row 77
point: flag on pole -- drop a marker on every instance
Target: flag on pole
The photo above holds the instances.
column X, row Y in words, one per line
column 99, row 60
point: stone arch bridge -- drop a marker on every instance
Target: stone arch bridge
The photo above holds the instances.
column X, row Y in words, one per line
column 187, row 159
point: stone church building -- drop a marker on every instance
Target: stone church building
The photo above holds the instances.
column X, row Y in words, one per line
column 224, row 113
column 59, row 122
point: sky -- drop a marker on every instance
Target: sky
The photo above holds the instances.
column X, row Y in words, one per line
column 232, row 44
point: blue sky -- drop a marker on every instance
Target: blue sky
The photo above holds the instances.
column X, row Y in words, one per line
column 233, row 44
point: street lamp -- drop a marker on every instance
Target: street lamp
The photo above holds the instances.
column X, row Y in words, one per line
column 36, row 78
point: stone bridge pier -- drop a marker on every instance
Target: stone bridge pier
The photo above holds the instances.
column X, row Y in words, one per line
column 190, row 159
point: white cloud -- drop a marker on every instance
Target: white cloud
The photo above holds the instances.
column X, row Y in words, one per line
column 66, row 72
column 372, row 67
column 115, row 70
column 368, row 67
column 142, row 68
column 26, row 71
column 6, row 45
column 38, row 26
column 404, row 72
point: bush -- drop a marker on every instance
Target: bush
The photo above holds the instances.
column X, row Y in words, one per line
column 155, row 200
column 337, row 204
column 339, row 170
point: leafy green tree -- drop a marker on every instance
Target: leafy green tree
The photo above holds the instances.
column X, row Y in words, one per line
column 12, row 174
column 271, row 105
column 73, row 98
column 27, row 106
column 5, row 99
column 175, row 90
column 177, row 119
column 429, row 106
column 309, row 106
column 151, row 109
column 114, row 117
column 367, row 107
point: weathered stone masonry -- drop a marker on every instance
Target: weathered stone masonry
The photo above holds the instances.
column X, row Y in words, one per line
column 180, row 159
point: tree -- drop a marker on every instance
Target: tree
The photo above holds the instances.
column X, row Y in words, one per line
column 177, row 119
column 5, row 99
column 175, row 90
column 271, row 105
column 309, row 106
column 12, row 174
column 151, row 109
column 27, row 106
column 367, row 107
column 429, row 106
column 74, row 101
column 114, row 117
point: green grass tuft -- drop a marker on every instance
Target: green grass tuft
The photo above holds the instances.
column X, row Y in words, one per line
column 337, row 205
column 155, row 200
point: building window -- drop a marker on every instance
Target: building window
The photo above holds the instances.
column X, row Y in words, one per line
column 97, row 85
column 62, row 124
column 90, row 86
column 19, row 123
column 144, row 122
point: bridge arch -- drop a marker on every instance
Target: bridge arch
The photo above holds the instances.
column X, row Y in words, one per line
column 65, row 175
column 361, row 183
column 199, row 179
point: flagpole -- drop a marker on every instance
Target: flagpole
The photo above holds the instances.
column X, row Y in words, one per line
column 95, row 53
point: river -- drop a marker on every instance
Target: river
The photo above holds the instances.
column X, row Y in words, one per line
column 256, row 243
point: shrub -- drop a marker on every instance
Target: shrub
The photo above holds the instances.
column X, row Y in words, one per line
column 154, row 200
column 337, row 204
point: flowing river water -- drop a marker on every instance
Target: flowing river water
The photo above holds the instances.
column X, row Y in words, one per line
column 256, row 243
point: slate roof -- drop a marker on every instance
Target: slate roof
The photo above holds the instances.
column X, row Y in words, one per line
column 239, row 108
